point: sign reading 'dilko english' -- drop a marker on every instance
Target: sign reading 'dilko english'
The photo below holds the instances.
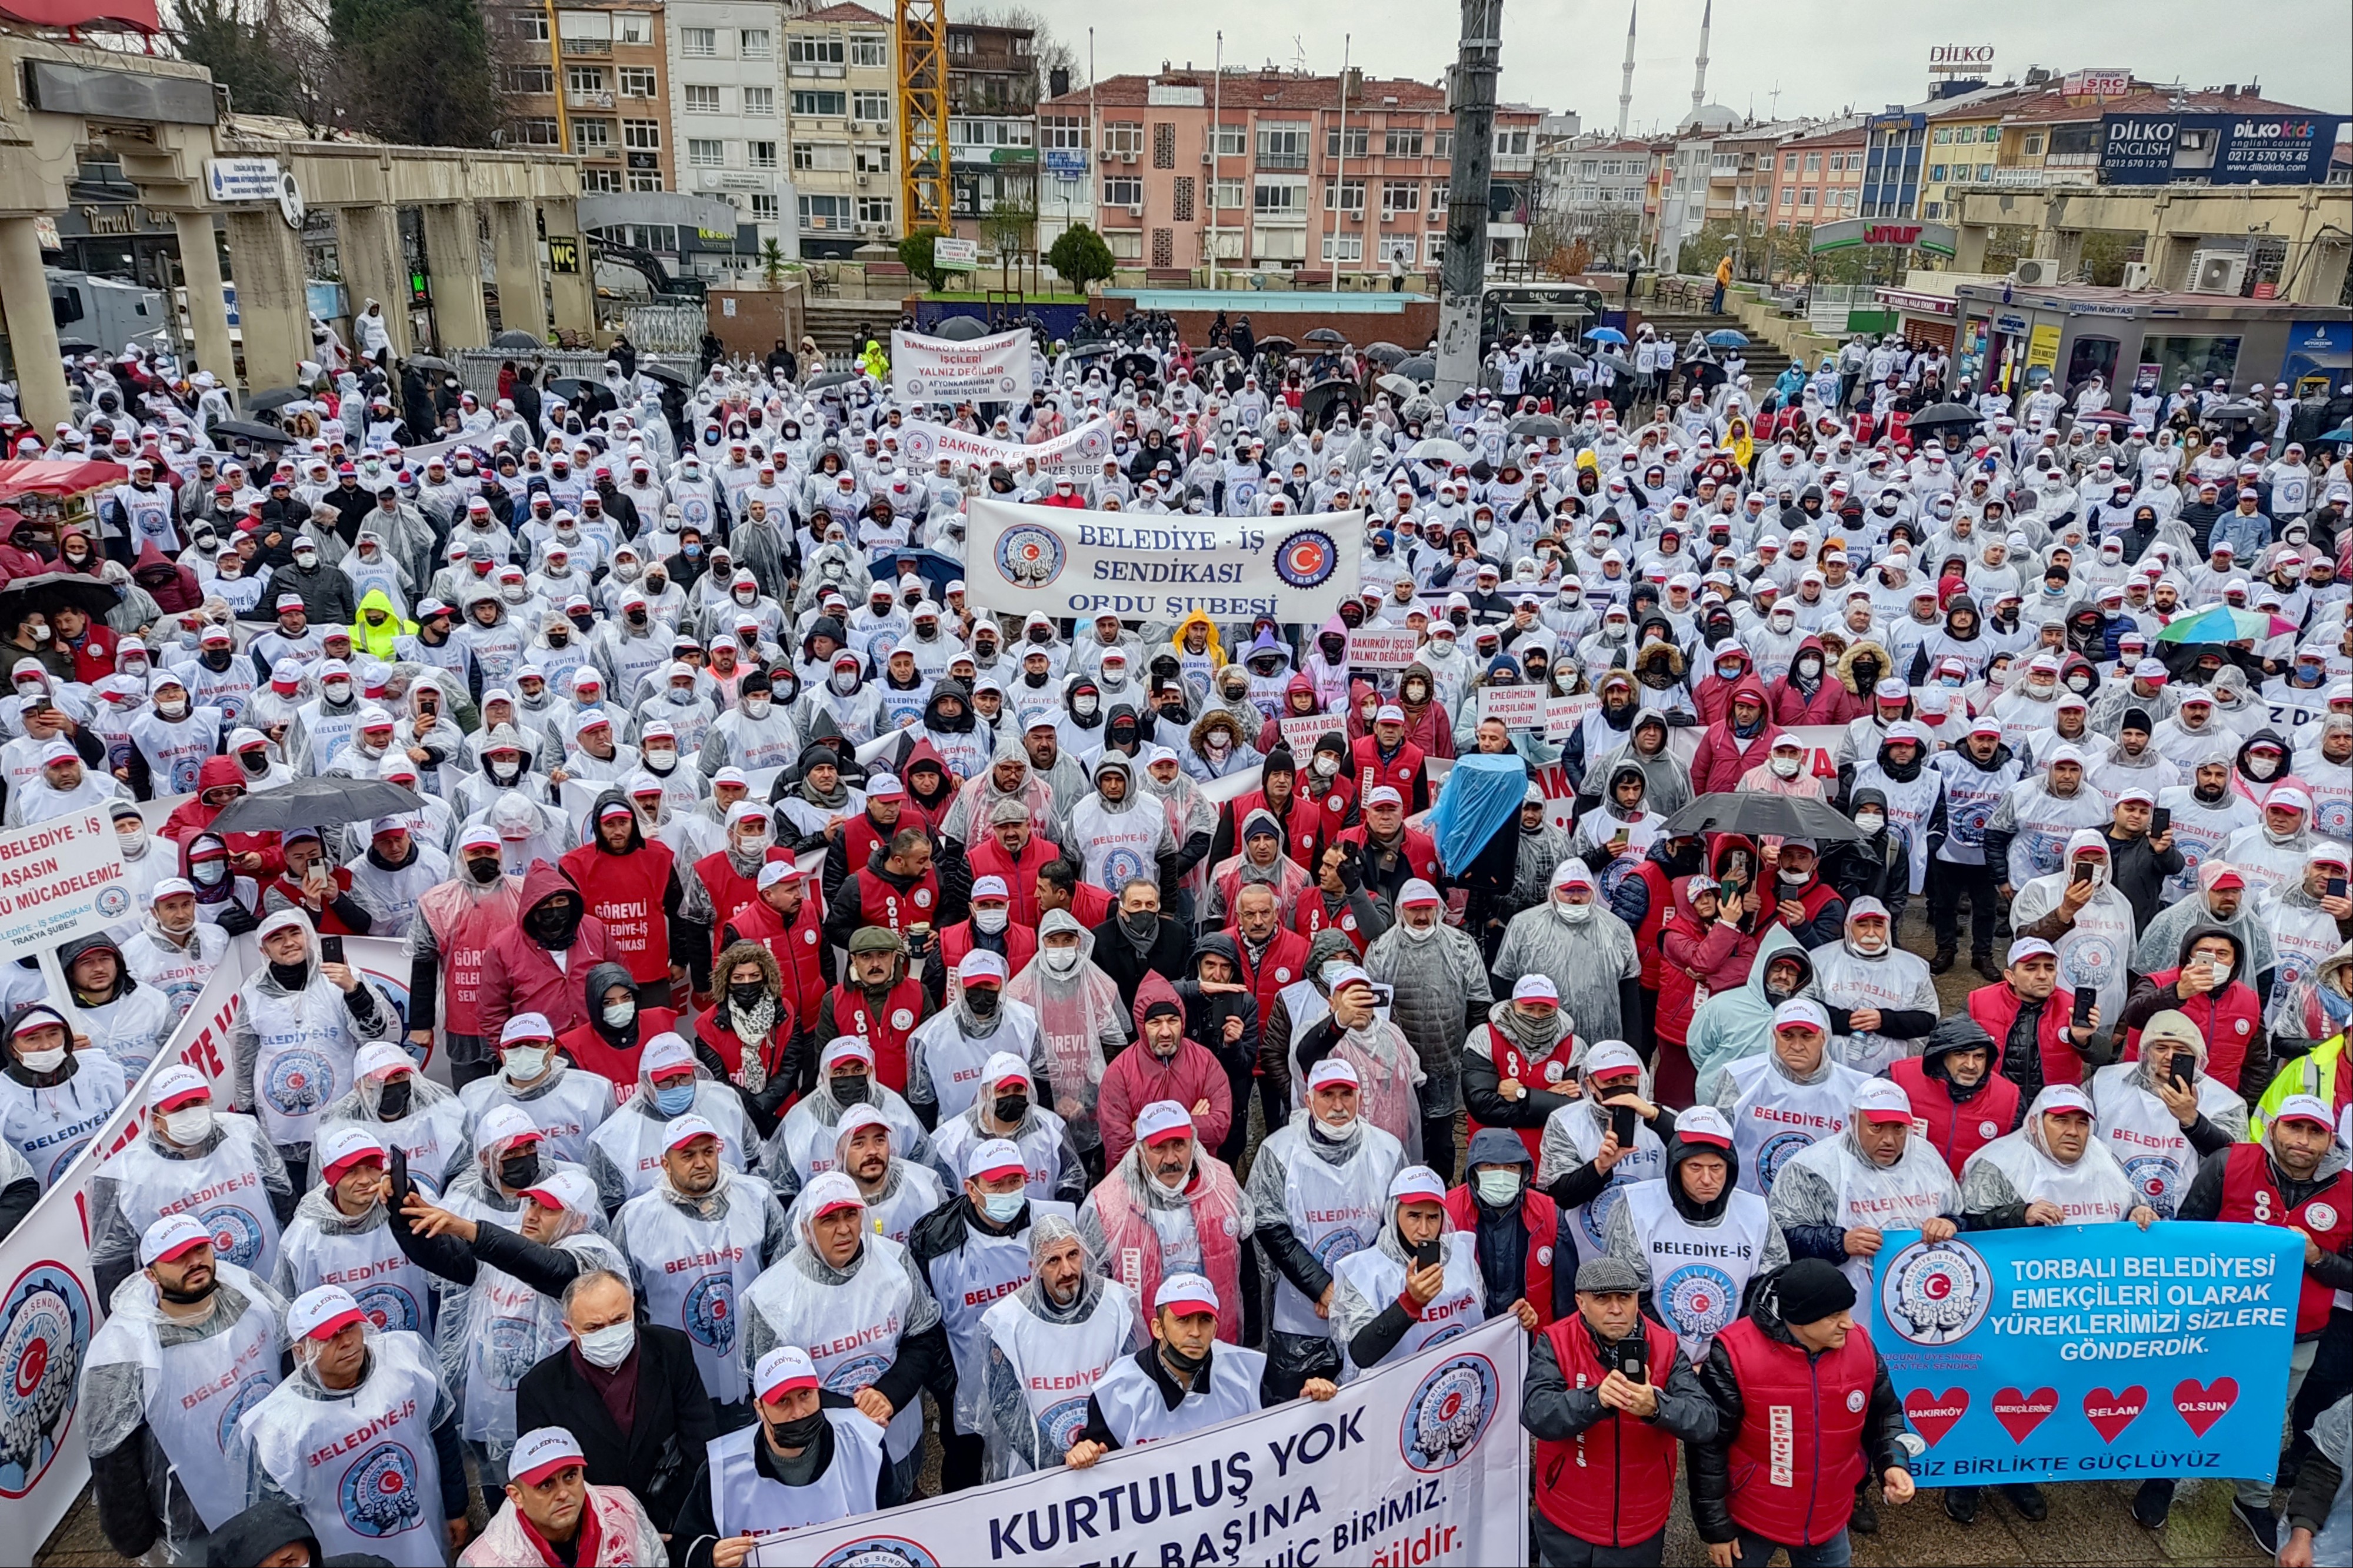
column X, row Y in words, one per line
column 2082, row 1353
column 1067, row 562
column 60, row 879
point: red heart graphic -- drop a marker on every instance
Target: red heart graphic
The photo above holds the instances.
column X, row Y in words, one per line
column 1932, row 1415
column 2020, row 1413
column 2110, row 1413
column 2202, row 1407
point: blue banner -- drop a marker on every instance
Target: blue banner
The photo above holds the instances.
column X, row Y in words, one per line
column 2090, row 1352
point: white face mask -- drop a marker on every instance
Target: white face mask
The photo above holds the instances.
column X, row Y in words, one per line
column 1871, row 821
column 1867, row 946
column 1785, row 767
column 1059, row 960
column 1325, row 764
column 525, row 1063
column 661, row 759
column 336, row 691
column 171, row 706
column 1418, row 934
column 755, row 707
column 1084, row 707
column 1572, row 914
column 189, row 1126
column 1796, row 879
column 988, row 920
column 609, row 1346
column 43, row 1062
column 618, row 1013
column 1498, row 1188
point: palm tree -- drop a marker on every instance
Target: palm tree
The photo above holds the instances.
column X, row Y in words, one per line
column 773, row 264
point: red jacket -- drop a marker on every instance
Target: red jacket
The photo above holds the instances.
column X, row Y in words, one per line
column 1995, row 1008
column 1136, row 1077
column 988, row 858
column 1716, row 956
column 1420, row 849
column 628, row 892
column 1285, row 961
column 2227, row 1017
column 93, row 657
column 193, row 816
column 729, row 890
column 1956, row 1131
column 798, row 949
column 1613, row 1483
column 519, row 975
column 1724, row 756
column 1831, row 703
column 1799, row 1454
column 2251, row 1196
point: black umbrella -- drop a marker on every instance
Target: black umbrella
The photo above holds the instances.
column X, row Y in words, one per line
column 1562, row 358
column 316, row 802
column 276, row 397
column 1090, row 349
column 48, row 591
column 1139, row 365
column 1383, row 352
column 428, row 361
column 1754, row 814
column 1321, row 335
column 824, row 379
column 1218, row 355
column 961, row 328
column 1418, row 367
column 78, row 346
column 1541, row 426
column 594, row 396
column 1943, row 415
column 516, row 341
column 664, row 374
column 252, row 430
column 1324, row 401
column 1276, row 346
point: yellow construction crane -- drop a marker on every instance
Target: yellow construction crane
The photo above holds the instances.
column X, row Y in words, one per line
column 923, row 116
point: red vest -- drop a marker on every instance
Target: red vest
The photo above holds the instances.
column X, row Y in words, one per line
column 1510, row 1063
column 729, row 889
column 1021, row 945
column 1398, row 771
column 1957, row 1131
column 1420, row 848
column 1285, row 961
column 1612, row 1484
column 1797, row 1456
column 1811, row 900
column 2227, row 1017
column 462, row 925
column 885, row 1028
column 1316, row 820
column 626, row 892
column 1995, row 1008
column 881, row 903
column 711, row 1030
column 1541, row 1215
column 988, row 858
column 860, row 836
column 1657, row 884
column 591, row 1053
column 798, row 949
column 1314, row 915
column 2251, row 1196
column 328, row 922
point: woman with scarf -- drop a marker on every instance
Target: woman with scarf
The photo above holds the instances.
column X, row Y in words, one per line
column 1426, row 723
column 748, row 1037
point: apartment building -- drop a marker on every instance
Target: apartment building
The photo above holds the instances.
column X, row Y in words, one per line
column 1742, row 163
column 1270, row 170
column 839, row 102
column 1512, row 182
column 1598, row 189
column 1820, row 176
column 602, row 78
column 727, row 122
column 1686, row 177
column 992, row 125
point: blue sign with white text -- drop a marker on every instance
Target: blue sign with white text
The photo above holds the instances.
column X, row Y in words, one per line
column 2088, row 1353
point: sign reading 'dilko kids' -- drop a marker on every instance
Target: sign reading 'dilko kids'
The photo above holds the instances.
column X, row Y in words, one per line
column 2091, row 1351
column 1065, row 561
column 60, row 879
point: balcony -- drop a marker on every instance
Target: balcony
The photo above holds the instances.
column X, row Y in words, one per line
column 1281, row 160
column 588, row 98
column 587, row 46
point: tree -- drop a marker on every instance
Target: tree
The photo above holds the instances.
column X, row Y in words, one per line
column 773, row 264
column 1048, row 54
column 916, row 256
column 416, row 72
column 1011, row 231
column 272, row 55
column 1080, row 255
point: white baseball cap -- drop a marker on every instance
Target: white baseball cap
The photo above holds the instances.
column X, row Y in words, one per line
column 1161, row 1121
column 322, row 1314
column 1185, row 1294
column 170, row 1236
column 541, row 1453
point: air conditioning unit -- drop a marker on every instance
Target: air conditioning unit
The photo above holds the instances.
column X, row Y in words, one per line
column 1135, row 210
column 2036, row 271
column 862, row 179
column 1106, row 155
column 1127, row 157
column 2138, row 275
column 2218, row 271
column 1205, row 155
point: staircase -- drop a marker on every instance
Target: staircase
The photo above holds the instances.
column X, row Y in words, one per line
column 1765, row 361
column 834, row 323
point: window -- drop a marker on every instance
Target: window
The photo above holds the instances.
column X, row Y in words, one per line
column 1401, row 142
column 637, row 81
column 1278, row 197
column 1351, row 145
column 821, row 105
column 1181, row 201
column 536, row 130
column 1062, row 131
column 1401, row 247
column 1123, row 189
column 1806, row 199
column 1788, row 196
column 1127, row 245
column 1438, row 198
column 1985, row 174
column 585, row 79
column 813, row 51
column 753, row 43
column 2033, row 142
column 869, row 52
column 701, row 99
column 825, row 215
column 1226, row 195
column 1164, row 145
column 760, row 103
column 1441, row 144
column 645, row 135
column 699, row 43
column 703, row 154
column 637, row 27
column 1932, row 209
column 1511, row 143
column 1400, row 196
column 962, row 43
column 873, row 160
column 873, row 106
column 1936, row 173
column 1813, row 163
column 764, row 208
column 763, row 154
column 1343, row 248
column 531, row 27
column 1233, row 141
column 1944, row 134
column 600, row 182
column 1347, row 195
column 821, row 157
column 643, row 180
column 1124, row 137
column 531, row 79
column 1282, row 146
column 592, row 136
column 875, row 209
column 1276, row 245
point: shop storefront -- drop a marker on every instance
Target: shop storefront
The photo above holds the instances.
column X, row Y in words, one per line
column 2016, row 338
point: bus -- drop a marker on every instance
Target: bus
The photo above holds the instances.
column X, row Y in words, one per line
column 1508, row 310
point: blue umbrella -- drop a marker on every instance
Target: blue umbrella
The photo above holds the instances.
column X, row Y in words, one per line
column 1726, row 338
column 1606, row 335
column 2342, row 433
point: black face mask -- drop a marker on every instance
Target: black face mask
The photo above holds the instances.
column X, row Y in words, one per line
column 746, row 997
column 483, row 868
column 1142, row 924
column 849, row 1089
column 391, row 1101
column 217, row 659
column 292, row 976
column 517, row 1172
column 1010, row 1108
column 982, row 1000
column 187, row 1298
column 798, row 1434
column 554, row 923
column 1191, row 1365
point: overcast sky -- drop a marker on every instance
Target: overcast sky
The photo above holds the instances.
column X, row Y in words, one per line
column 1822, row 57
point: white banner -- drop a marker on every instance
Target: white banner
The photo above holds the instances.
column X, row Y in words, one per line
column 943, row 370
column 1080, row 451
column 1064, row 562
column 1419, row 1465
column 49, row 1295
column 60, row 879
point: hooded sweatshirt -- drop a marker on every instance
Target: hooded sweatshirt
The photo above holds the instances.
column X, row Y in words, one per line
column 521, row 974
